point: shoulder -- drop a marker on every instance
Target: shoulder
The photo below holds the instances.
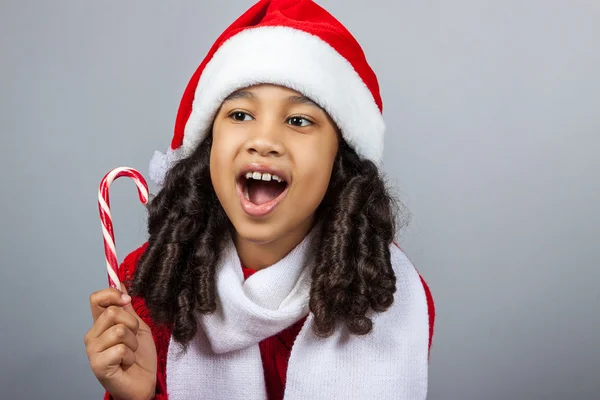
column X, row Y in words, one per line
column 129, row 264
column 411, row 284
column 126, row 274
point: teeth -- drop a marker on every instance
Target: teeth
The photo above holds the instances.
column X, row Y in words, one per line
column 264, row 177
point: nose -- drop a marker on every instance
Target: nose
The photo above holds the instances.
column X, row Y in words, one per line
column 266, row 141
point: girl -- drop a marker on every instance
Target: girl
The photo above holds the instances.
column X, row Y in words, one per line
column 270, row 269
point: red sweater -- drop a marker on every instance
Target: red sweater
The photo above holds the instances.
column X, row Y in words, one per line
column 275, row 350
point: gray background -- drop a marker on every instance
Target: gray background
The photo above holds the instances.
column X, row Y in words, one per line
column 493, row 110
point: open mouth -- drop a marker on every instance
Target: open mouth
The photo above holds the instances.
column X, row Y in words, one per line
column 260, row 192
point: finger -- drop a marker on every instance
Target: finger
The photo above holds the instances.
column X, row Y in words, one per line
column 101, row 300
column 113, row 315
column 116, row 356
column 117, row 334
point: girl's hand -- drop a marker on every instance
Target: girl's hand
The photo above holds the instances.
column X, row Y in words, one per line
column 120, row 347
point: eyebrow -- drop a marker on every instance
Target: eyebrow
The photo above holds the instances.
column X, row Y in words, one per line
column 241, row 94
column 303, row 100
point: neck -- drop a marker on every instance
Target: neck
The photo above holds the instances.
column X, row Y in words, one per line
column 259, row 256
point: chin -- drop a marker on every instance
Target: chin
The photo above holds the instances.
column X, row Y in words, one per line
column 258, row 233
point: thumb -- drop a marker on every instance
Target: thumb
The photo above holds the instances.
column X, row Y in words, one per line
column 127, row 306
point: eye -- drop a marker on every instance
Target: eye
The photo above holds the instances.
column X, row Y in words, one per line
column 299, row 121
column 240, row 116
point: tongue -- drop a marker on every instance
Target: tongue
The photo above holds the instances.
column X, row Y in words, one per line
column 261, row 192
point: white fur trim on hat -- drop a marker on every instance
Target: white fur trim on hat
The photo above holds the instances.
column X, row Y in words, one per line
column 161, row 163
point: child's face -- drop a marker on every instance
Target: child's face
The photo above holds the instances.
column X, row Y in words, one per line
column 272, row 134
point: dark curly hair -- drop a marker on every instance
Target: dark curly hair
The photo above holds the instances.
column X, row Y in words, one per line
column 188, row 228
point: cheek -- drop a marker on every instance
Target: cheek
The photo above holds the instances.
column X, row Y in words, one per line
column 220, row 164
column 314, row 172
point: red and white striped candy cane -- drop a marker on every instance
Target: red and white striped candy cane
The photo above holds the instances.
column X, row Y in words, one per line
column 112, row 265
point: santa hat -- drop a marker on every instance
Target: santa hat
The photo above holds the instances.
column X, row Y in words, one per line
column 291, row 43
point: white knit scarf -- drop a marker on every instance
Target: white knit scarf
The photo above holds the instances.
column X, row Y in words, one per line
column 223, row 361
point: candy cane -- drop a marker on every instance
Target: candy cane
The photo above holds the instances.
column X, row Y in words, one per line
column 112, row 265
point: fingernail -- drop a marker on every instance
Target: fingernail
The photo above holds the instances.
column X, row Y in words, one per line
column 126, row 297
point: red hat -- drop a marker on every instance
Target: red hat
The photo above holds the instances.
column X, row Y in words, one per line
column 291, row 43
